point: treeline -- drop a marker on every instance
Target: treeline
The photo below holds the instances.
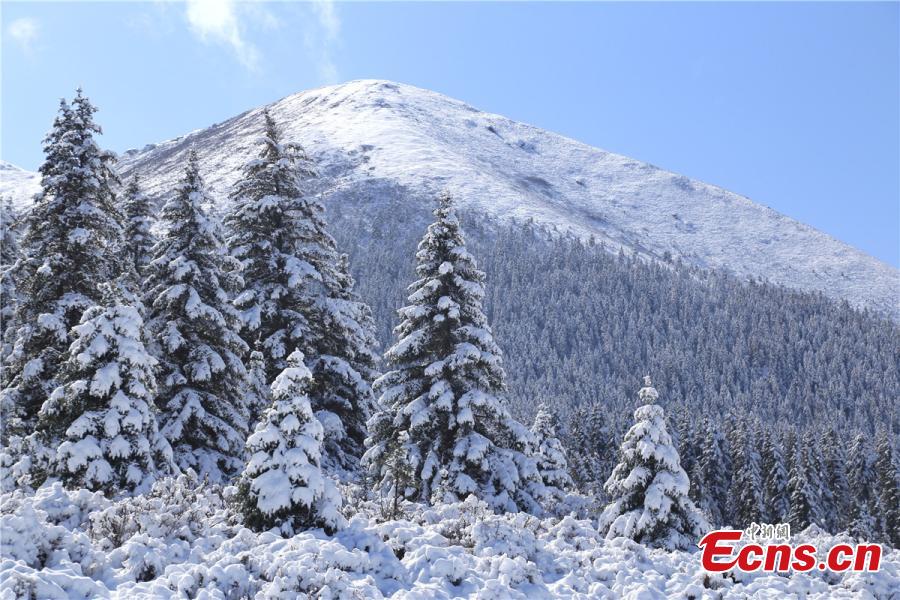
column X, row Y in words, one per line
column 576, row 322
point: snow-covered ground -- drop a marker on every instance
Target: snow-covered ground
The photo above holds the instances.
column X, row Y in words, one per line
column 366, row 133
column 183, row 541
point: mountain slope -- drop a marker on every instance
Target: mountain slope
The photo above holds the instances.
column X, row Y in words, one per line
column 18, row 184
column 368, row 134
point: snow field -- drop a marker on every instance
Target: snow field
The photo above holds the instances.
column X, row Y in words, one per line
column 183, row 540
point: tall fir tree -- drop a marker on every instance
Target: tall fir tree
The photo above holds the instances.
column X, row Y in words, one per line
column 9, row 295
column 684, row 428
column 888, row 488
column 649, row 489
column 72, row 243
column 203, row 382
column 592, row 452
column 862, row 480
column 746, row 495
column 101, row 418
column 343, row 370
column 298, row 292
column 551, row 456
column 712, row 476
column 804, row 491
column 283, row 485
column 777, row 502
column 443, row 390
column 836, row 505
column 138, row 222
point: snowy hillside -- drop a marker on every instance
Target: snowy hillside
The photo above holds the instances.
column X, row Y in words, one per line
column 377, row 132
column 18, row 184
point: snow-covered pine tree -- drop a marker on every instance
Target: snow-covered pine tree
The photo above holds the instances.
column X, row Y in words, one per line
column 444, row 386
column 194, row 327
column 138, row 236
column 649, row 489
column 267, row 234
column 591, row 449
column 712, row 476
column 834, row 476
column 342, row 370
column 888, row 489
column 390, row 462
column 283, row 485
column 101, row 419
column 9, row 255
column 298, row 292
column 746, row 483
column 804, row 493
column 550, row 455
column 776, row 477
column 862, row 481
column 260, row 392
column 72, row 243
column 684, row 426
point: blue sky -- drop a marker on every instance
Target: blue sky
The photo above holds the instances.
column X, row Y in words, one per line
column 795, row 105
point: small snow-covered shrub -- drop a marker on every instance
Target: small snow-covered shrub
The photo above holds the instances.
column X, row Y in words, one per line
column 21, row 582
column 175, row 508
column 42, row 530
column 144, row 534
column 326, row 568
column 457, row 521
column 514, row 535
column 182, row 540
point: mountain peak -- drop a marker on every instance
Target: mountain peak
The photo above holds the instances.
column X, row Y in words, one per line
column 368, row 133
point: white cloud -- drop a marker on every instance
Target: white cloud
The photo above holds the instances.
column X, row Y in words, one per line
column 321, row 42
column 217, row 21
column 24, row 31
column 229, row 22
column 328, row 19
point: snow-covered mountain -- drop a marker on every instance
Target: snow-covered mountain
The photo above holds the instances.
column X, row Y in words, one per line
column 18, row 184
column 370, row 133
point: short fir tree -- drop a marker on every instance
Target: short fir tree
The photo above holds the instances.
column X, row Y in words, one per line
column 101, row 418
column 649, row 489
column 551, row 456
column 283, row 485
